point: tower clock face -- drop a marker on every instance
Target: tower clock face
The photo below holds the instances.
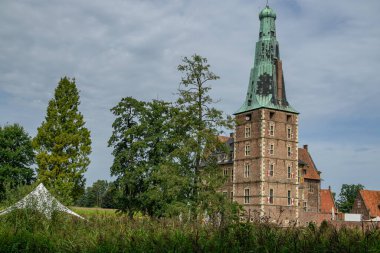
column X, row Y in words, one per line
column 264, row 84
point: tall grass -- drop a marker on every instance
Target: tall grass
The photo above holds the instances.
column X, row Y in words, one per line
column 28, row 231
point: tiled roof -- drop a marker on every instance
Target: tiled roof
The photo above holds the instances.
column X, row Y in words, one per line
column 327, row 201
column 223, row 139
column 305, row 158
column 371, row 201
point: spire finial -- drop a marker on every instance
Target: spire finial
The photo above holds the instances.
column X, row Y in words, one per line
column 267, row 3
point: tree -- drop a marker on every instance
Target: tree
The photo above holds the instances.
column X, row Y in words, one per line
column 347, row 196
column 204, row 124
column 94, row 194
column 141, row 140
column 16, row 158
column 164, row 153
column 63, row 144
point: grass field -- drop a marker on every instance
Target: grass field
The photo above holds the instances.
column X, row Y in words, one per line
column 105, row 231
column 91, row 211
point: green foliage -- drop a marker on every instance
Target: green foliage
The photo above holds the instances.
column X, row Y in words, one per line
column 347, row 196
column 63, row 144
column 201, row 125
column 143, row 139
column 164, row 152
column 94, row 195
column 26, row 231
column 16, row 158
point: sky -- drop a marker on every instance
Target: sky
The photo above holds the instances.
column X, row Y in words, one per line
column 118, row 48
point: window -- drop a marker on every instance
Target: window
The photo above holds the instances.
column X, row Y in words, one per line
column 232, row 174
column 359, row 204
column 225, row 171
column 311, row 188
column 271, row 149
column 247, row 168
column 289, row 172
column 271, row 170
column 289, row 151
column 289, row 132
column 271, row 196
column 232, row 196
column 271, row 115
column 248, row 117
column 271, row 129
column 246, row 196
column 247, row 149
column 247, row 132
column 305, row 206
column 288, row 118
column 225, row 194
column 289, row 198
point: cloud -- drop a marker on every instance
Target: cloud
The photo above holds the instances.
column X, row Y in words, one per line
column 115, row 49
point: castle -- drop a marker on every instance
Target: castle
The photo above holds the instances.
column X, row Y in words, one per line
column 267, row 173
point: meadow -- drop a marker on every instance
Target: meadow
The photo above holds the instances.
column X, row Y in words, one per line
column 105, row 231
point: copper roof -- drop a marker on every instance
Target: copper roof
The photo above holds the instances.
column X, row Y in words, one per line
column 327, row 201
column 371, row 201
column 304, row 157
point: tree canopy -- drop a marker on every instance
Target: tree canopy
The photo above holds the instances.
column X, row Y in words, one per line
column 347, row 196
column 164, row 152
column 16, row 157
column 63, row 144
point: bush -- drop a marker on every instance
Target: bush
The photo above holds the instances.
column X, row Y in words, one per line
column 28, row 231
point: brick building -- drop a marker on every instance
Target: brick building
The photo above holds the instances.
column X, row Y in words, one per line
column 367, row 203
column 267, row 173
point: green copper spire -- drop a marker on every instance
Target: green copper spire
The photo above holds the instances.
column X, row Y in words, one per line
column 266, row 88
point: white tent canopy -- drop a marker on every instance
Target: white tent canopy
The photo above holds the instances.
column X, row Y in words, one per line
column 41, row 200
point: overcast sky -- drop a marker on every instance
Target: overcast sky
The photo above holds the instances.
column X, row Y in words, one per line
column 118, row 48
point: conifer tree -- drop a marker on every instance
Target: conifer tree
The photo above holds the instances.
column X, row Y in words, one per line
column 63, row 144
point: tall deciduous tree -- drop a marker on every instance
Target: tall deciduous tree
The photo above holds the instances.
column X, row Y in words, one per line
column 63, row 144
column 347, row 196
column 164, row 153
column 16, row 157
column 141, row 140
column 204, row 123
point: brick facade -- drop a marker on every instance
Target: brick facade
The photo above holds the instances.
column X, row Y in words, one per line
column 264, row 146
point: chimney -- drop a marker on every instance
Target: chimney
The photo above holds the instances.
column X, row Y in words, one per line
column 306, row 147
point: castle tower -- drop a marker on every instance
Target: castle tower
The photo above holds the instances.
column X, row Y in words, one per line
column 266, row 136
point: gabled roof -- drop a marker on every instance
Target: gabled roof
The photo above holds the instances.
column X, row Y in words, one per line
column 304, row 158
column 223, row 139
column 327, row 201
column 371, row 201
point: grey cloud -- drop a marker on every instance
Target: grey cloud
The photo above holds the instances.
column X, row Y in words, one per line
column 121, row 48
